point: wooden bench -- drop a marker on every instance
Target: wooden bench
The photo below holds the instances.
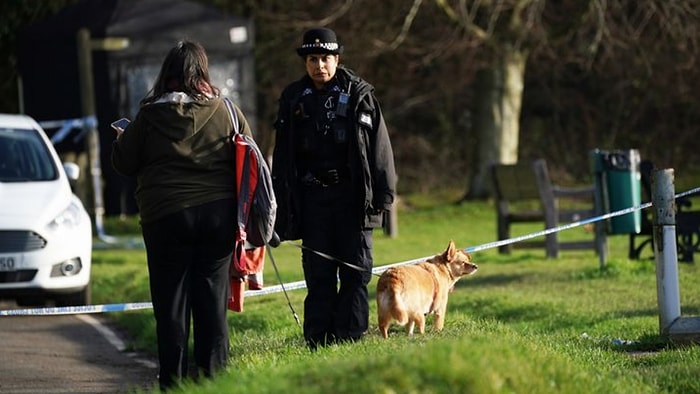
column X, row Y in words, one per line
column 524, row 193
column 687, row 223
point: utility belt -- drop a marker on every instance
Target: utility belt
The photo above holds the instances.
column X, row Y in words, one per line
column 325, row 178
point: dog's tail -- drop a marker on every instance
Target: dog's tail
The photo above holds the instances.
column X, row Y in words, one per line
column 390, row 303
column 399, row 311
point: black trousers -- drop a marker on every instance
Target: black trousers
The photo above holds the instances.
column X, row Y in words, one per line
column 330, row 225
column 189, row 253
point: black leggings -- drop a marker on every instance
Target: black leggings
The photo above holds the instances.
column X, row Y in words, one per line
column 189, row 253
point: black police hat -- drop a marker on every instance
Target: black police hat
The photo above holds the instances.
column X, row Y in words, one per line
column 320, row 40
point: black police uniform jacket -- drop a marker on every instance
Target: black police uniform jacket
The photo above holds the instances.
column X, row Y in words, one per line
column 370, row 155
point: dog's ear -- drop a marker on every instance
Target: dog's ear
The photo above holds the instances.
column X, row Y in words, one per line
column 450, row 251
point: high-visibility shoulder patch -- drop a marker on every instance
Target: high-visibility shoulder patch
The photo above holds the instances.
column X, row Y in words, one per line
column 365, row 119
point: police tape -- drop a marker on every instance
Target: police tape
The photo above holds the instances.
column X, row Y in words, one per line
column 86, row 309
column 75, row 310
column 67, row 125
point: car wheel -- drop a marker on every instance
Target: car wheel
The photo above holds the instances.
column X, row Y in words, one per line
column 82, row 297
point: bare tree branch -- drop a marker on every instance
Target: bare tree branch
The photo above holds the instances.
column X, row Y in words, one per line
column 301, row 23
column 532, row 21
column 598, row 8
column 494, row 16
column 466, row 23
column 337, row 14
column 407, row 22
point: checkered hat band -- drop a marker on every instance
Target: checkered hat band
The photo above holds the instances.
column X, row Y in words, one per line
column 331, row 46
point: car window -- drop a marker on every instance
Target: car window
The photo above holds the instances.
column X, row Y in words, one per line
column 24, row 157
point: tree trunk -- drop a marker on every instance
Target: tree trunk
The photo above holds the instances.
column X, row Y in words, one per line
column 499, row 92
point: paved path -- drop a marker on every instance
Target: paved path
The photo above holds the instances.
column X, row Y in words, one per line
column 67, row 354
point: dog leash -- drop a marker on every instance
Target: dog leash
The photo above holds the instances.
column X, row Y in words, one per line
column 329, row 257
column 279, row 278
column 274, row 242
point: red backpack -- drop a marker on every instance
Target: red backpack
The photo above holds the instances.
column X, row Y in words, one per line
column 257, row 209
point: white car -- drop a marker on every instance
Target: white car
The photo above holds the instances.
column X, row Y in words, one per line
column 45, row 232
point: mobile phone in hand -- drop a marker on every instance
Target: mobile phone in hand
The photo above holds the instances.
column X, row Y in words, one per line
column 120, row 124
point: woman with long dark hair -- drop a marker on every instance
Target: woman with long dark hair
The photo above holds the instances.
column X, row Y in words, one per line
column 178, row 149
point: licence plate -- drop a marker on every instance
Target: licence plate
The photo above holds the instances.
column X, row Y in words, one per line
column 9, row 263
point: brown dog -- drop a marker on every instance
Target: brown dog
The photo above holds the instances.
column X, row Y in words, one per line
column 408, row 293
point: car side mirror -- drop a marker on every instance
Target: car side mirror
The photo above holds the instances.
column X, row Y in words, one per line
column 73, row 173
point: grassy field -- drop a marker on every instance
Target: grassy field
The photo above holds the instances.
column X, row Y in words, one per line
column 521, row 324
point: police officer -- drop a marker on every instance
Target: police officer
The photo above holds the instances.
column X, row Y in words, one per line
column 333, row 176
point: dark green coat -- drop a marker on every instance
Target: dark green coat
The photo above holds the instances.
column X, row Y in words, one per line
column 180, row 154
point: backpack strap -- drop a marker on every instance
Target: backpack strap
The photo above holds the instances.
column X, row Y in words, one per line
column 232, row 114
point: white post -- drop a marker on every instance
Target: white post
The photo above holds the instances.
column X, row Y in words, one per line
column 666, row 256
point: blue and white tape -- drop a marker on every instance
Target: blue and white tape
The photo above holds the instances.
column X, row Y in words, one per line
column 85, row 309
column 75, row 310
column 66, row 126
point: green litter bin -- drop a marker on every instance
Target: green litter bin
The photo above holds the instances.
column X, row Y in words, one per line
column 619, row 186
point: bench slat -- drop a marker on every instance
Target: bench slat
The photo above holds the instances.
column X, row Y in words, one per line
column 529, row 181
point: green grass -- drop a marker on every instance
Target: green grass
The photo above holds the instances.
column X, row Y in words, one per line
column 521, row 324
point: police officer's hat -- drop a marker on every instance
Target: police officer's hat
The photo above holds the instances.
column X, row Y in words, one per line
column 320, row 40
